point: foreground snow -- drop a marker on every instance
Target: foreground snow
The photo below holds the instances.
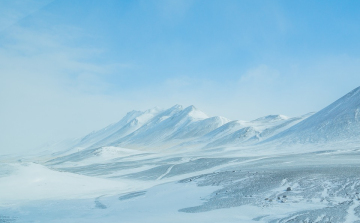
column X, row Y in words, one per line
column 178, row 187
column 30, row 181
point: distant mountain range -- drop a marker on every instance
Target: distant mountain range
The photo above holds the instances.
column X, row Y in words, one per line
column 178, row 128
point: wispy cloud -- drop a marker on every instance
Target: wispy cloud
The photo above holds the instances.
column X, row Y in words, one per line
column 259, row 76
column 12, row 11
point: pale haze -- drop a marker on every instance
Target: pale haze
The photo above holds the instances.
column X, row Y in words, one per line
column 70, row 67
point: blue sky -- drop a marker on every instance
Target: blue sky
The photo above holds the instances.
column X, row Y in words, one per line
column 68, row 67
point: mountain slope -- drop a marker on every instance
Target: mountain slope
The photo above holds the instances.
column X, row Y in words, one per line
column 240, row 133
column 163, row 128
column 95, row 136
column 130, row 127
column 337, row 122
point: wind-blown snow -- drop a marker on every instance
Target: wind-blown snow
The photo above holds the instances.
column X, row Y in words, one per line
column 35, row 182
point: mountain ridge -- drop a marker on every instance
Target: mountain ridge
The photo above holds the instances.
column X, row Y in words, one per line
column 178, row 127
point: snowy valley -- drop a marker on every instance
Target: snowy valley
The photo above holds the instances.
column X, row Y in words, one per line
column 179, row 164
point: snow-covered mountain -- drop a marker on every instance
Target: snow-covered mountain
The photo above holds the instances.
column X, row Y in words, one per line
column 130, row 120
column 154, row 128
column 240, row 133
column 178, row 127
column 126, row 127
column 340, row 121
column 165, row 127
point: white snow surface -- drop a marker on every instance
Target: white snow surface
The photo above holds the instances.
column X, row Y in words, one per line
column 31, row 181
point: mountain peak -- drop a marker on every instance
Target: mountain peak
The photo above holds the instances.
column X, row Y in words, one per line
column 177, row 106
column 272, row 118
column 191, row 108
column 193, row 112
column 354, row 92
column 153, row 110
column 133, row 112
